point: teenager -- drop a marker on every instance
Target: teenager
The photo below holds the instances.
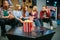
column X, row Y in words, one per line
column 34, row 15
column 18, row 14
column 7, row 18
column 45, row 15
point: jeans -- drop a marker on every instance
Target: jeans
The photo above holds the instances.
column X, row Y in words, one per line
column 46, row 20
column 37, row 22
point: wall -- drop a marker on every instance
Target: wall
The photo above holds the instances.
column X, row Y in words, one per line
column 0, row 2
column 40, row 3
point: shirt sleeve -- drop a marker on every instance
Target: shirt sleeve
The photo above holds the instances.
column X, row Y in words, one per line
column 14, row 13
column 20, row 14
column 41, row 14
column 1, row 12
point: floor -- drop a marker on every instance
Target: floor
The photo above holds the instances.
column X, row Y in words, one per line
column 55, row 37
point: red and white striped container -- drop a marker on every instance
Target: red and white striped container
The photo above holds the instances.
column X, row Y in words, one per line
column 27, row 26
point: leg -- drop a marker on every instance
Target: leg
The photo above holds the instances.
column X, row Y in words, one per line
column 2, row 23
column 51, row 25
column 14, row 22
column 50, row 21
column 41, row 22
column 37, row 23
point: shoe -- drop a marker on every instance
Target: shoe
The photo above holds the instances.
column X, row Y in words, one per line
column 51, row 27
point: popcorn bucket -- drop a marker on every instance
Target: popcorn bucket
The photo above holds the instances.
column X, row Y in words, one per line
column 27, row 26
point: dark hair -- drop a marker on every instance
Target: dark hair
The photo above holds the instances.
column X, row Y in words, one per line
column 26, row 6
column 21, row 8
column 4, row 7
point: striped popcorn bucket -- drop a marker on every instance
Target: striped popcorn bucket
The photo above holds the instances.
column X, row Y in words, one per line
column 27, row 26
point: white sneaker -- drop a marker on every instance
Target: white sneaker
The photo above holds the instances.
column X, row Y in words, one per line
column 51, row 27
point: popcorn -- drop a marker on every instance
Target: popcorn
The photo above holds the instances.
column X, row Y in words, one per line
column 28, row 21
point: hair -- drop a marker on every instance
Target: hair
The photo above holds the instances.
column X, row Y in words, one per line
column 44, row 6
column 26, row 5
column 35, row 8
column 17, row 5
column 5, row 7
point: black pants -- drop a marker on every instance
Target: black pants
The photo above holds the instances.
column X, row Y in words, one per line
column 53, row 17
column 12, row 22
column 2, row 26
column 46, row 20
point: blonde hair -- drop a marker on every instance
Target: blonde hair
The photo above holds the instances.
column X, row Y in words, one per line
column 17, row 6
column 34, row 7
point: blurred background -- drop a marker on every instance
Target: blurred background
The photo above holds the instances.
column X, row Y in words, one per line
column 39, row 3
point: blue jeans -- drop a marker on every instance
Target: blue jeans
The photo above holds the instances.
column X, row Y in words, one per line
column 37, row 23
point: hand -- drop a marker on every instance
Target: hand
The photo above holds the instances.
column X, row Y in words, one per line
column 11, row 16
column 46, row 17
column 5, row 16
column 21, row 21
column 31, row 18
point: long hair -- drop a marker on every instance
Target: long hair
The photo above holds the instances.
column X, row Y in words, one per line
column 24, row 11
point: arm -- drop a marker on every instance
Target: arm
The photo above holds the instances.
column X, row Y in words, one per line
column 18, row 18
column 11, row 16
column 48, row 13
column 27, row 15
column 41, row 15
column 5, row 16
column 21, row 18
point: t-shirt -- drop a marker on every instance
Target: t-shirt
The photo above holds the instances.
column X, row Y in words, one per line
column 5, row 13
column 35, row 15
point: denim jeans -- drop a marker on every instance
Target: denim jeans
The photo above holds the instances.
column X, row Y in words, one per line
column 37, row 22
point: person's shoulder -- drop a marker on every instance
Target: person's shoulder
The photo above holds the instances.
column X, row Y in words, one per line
column 20, row 11
column 27, row 12
column 14, row 10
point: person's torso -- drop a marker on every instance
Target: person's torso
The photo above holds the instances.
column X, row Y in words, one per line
column 5, row 12
column 17, row 14
column 26, row 14
column 34, row 14
column 44, row 14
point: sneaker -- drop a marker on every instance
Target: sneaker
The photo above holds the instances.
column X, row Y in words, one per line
column 51, row 27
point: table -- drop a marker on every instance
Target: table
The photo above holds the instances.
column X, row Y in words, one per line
column 18, row 34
